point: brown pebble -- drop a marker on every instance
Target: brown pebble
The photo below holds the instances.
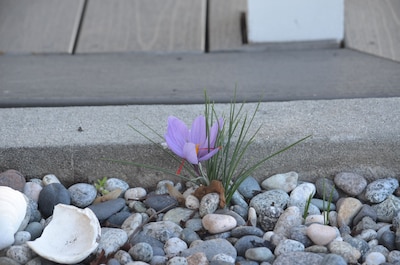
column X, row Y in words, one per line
column 13, row 179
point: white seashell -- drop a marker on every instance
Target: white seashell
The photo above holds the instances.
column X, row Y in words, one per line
column 12, row 213
column 70, row 237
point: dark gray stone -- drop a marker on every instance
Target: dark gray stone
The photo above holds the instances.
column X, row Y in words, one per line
column 50, row 196
column 387, row 239
column 241, row 231
column 247, row 242
column 324, row 187
column 298, row 258
column 249, row 187
column 366, row 210
column 160, row 202
column 105, row 209
column 333, row 259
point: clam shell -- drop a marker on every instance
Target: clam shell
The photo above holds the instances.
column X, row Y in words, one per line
column 12, row 213
column 70, row 237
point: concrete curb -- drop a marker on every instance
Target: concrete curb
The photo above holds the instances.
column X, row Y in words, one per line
column 358, row 135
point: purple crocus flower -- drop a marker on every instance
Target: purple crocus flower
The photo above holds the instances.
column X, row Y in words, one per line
column 192, row 145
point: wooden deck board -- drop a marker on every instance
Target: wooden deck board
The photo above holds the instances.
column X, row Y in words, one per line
column 40, row 26
column 224, row 24
column 374, row 27
column 143, row 25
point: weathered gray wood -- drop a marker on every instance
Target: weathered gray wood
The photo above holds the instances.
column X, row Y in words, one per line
column 143, row 25
column 224, row 24
column 148, row 78
column 39, row 26
column 374, row 27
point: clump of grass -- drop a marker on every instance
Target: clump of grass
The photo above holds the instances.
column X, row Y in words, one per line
column 233, row 139
column 100, row 186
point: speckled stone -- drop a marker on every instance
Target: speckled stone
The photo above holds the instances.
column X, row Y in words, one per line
column 380, row 189
column 301, row 194
column 197, row 259
column 135, row 193
column 82, row 194
column 211, row 248
column 344, row 249
column 21, row 237
column 162, row 230
column 291, row 217
column 174, row 246
column 178, row 215
column 277, row 198
column 351, row 183
column 208, row 204
column 20, row 253
column 298, row 258
column 115, row 183
column 288, row 245
column 386, row 209
column 142, row 252
column 111, row 240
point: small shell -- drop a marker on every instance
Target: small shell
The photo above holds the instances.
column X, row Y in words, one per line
column 70, row 237
column 13, row 210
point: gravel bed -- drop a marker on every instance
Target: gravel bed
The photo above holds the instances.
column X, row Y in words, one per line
column 339, row 220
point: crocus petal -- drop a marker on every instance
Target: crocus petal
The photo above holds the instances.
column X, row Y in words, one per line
column 209, row 155
column 177, row 135
column 198, row 133
column 190, row 154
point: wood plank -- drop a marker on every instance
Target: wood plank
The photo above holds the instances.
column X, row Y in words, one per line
column 374, row 27
column 224, row 20
column 40, row 26
column 143, row 25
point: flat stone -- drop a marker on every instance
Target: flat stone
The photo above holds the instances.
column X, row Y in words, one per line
column 351, row 183
column 333, row 259
column 178, row 215
column 284, row 181
column 298, row 258
column 104, row 210
column 160, row 202
column 321, row 234
column 259, row 254
column 211, row 248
